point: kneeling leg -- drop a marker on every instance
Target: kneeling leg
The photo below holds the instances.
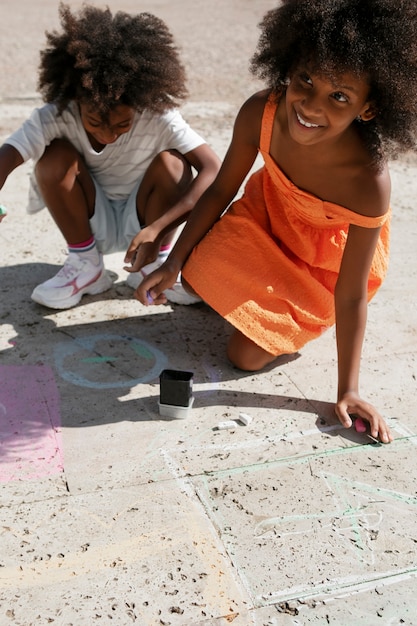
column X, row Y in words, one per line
column 246, row 354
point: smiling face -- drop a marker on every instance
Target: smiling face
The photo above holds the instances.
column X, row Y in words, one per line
column 319, row 108
column 100, row 133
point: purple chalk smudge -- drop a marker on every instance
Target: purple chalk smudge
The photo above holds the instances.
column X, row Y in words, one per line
column 30, row 423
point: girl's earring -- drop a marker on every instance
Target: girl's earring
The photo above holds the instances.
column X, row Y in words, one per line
column 367, row 115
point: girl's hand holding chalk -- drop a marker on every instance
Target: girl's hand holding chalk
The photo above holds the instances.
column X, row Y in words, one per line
column 3, row 212
column 360, row 425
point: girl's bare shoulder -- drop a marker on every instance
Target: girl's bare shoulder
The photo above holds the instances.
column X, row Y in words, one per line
column 370, row 191
column 257, row 100
column 253, row 107
column 249, row 118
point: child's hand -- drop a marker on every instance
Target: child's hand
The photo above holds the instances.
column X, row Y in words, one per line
column 3, row 212
column 351, row 403
column 143, row 250
column 151, row 289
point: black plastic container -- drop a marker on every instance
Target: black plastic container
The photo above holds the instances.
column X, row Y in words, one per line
column 175, row 387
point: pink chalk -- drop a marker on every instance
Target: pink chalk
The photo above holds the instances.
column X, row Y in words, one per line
column 30, row 424
column 360, row 425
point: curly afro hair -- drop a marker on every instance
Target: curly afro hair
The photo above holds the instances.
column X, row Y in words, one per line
column 104, row 60
column 374, row 38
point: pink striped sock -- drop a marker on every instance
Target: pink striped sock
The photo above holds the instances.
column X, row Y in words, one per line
column 84, row 246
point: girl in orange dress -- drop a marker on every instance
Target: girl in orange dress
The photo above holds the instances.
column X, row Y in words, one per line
column 306, row 246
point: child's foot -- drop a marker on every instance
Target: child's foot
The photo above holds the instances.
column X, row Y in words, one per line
column 76, row 278
column 175, row 294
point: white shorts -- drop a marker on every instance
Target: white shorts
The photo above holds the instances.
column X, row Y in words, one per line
column 115, row 222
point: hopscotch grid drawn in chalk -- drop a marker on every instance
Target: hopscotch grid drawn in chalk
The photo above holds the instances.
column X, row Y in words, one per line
column 349, row 519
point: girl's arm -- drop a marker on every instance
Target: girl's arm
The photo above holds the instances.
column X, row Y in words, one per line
column 215, row 200
column 351, row 303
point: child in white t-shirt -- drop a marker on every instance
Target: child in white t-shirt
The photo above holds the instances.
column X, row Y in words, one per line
column 113, row 156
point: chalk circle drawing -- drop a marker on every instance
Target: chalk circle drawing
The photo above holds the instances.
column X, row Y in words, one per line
column 107, row 362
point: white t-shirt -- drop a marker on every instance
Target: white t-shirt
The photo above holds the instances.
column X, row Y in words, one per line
column 120, row 165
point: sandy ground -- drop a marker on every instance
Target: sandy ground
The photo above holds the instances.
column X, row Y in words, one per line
column 110, row 514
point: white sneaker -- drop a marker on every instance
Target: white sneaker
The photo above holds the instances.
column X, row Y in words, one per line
column 178, row 295
column 134, row 279
column 175, row 294
column 77, row 277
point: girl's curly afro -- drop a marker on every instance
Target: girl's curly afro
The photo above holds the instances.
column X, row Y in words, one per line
column 375, row 38
column 104, row 60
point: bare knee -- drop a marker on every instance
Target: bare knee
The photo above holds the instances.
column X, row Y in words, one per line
column 165, row 182
column 59, row 161
column 171, row 170
column 246, row 355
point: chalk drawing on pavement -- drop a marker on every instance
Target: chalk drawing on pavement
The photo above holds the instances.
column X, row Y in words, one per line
column 108, row 361
column 30, row 423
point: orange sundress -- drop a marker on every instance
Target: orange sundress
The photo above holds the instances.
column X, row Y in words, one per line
column 270, row 264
